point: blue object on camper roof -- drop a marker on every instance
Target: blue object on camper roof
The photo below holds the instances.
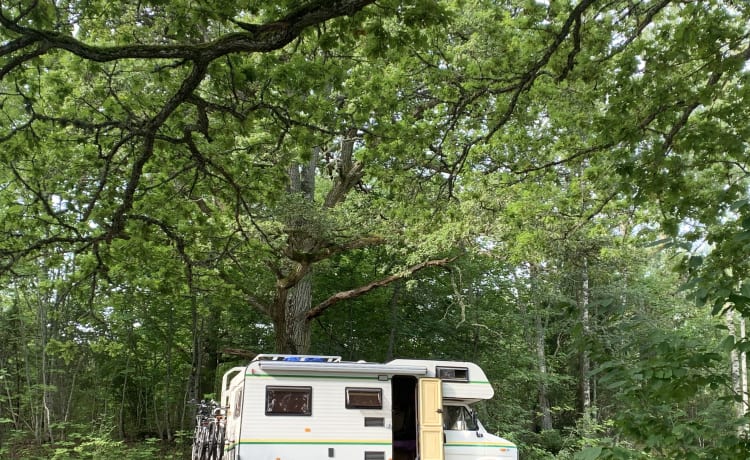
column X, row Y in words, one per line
column 307, row 359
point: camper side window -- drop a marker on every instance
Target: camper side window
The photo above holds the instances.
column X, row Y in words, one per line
column 458, row 418
column 237, row 404
column 288, row 400
column 364, row 398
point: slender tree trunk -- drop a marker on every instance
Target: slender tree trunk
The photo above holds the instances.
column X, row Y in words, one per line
column 168, row 384
column 211, row 348
column 476, row 333
column 194, row 384
column 157, row 421
column 14, row 401
column 123, row 393
column 544, row 409
column 46, row 421
column 35, row 419
column 743, row 372
column 736, row 366
column 586, row 399
column 394, row 321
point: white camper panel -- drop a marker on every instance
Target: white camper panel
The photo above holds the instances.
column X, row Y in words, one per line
column 321, row 426
column 328, row 429
column 232, row 399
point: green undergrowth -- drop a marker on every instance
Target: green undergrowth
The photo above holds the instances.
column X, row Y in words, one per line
column 95, row 447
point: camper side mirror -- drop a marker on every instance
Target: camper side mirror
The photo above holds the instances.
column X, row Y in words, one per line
column 475, row 423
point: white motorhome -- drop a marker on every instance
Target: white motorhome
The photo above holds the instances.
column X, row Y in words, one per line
column 283, row 407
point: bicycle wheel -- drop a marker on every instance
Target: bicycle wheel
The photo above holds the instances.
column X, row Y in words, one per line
column 205, row 440
column 210, row 441
column 220, row 432
column 197, row 444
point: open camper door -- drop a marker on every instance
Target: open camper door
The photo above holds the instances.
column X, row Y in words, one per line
column 430, row 395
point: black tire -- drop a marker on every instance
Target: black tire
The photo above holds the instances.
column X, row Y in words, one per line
column 204, row 447
column 221, row 430
column 196, row 455
column 209, row 454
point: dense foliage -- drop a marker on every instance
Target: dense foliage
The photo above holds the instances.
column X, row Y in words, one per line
column 555, row 190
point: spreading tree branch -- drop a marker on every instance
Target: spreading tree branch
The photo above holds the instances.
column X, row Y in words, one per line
column 256, row 38
column 239, row 353
column 353, row 293
column 25, row 42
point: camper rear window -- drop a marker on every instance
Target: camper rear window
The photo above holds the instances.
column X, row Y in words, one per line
column 288, row 400
column 364, row 398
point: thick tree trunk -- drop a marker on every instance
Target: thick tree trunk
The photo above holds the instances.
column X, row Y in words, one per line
column 294, row 290
column 291, row 309
column 296, row 337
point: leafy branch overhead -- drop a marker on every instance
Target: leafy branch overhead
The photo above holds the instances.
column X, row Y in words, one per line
column 186, row 183
column 29, row 42
column 202, row 143
column 258, row 140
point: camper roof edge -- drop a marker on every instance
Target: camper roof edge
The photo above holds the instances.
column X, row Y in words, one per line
column 343, row 367
column 462, row 380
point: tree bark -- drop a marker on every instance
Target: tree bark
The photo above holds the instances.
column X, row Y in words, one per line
column 45, row 373
column 743, row 372
column 194, row 383
column 294, row 288
column 736, row 366
column 394, row 321
column 121, row 413
column 544, row 409
column 296, row 329
column 545, row 423
column 586, row 328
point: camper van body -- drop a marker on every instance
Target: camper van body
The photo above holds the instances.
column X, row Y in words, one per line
column 283, row 407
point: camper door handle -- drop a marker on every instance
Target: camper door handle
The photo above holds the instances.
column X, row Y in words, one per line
column 439, row 411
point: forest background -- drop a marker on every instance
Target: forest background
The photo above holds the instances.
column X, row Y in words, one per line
column 556, row 190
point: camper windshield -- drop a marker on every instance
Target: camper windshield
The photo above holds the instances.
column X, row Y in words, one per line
column 458, row 418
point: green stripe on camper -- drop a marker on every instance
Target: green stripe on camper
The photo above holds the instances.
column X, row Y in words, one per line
column 316, row 376
column 355, row 443
column 479, row 444
column 297, row 442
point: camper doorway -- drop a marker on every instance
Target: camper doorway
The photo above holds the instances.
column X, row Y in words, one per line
column 404, row 389
column 417, row 418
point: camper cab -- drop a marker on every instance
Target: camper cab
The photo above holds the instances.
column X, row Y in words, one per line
column 283, row 407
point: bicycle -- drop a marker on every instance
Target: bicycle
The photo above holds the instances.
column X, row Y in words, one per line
column 209, row 434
